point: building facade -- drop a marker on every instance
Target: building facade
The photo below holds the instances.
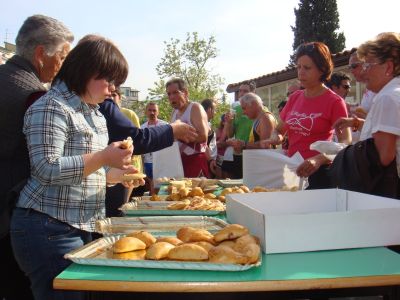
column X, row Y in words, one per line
column 129, row 97
column 6, row 52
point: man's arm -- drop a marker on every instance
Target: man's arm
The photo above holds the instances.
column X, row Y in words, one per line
column 198, row 117
column 144, row 140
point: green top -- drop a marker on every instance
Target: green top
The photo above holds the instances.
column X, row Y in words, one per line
column 289, row 266
column 242, row 125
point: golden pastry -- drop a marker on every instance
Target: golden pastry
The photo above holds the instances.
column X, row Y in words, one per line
column 258, row 189
column 227, row 243
column 170, row 239
column 179, row 205
column 174, row 197
column 155, row 197
column 197, row 191
column 245, row 188
column 188, row 252
column 127, row 143
column 144, row 236
column 132, row 255
column 133, row 176
column 206, row 245
column 210, row 196
column 245, row 240
column 190, row 234
column 251, row 251
column 230, row 232
column 127, row 244
column 184, row 192
column 159, row 250
column 226, row 255
column 226, row 191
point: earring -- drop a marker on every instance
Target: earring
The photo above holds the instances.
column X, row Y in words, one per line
column 41, row 65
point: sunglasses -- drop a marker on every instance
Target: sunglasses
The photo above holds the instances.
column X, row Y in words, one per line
column 305, row 49
column 346, row 86
column 366, row 66
column 354, row 65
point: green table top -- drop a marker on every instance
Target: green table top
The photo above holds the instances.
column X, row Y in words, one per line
column 289, row 266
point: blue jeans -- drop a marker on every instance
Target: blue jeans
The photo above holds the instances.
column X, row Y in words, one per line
column 39, row 243
column 148, row 169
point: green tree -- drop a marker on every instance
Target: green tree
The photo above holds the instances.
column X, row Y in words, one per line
column 190, row 61
column 317, row 20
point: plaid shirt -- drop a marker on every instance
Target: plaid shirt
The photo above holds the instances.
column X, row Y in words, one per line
column 59, row 129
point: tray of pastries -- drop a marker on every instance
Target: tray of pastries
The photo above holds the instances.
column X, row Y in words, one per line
column 189, row 206
column 231, row 248
column 163, row 224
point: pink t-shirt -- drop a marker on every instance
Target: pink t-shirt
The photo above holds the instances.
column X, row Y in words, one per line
column 308, row 120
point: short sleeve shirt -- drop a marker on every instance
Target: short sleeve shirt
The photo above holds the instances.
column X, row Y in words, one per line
column 311, row 119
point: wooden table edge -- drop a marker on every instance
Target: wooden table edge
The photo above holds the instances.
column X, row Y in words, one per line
column 245, row 286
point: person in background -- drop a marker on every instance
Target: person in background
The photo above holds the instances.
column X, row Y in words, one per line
column 263, row 122
column 380, row 131
column 340, row 84
column 212, row 151
column 221, row 146
column 368, row 96
column 152, row 112
column 310, row 114
column 42, row 44
column 70, row 165
column 292, row 88
column 194, row 159
column 237, row 126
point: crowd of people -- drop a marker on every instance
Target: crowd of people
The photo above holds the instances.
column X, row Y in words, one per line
column 64, row 155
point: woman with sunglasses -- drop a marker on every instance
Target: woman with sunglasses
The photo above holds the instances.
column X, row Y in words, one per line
column 381, row 71
column 310, row 113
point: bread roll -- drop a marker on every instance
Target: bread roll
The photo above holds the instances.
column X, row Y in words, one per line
column 206, row 245
column 127, row 244
column 226, row 255
column 127, row 143
column 133, row 176
column 245, row 240
column 190, row 234
column 230, row 232
column 170, row 239
column 188, row 252
column 144, row 236
column 159, row 250
column 132, row 255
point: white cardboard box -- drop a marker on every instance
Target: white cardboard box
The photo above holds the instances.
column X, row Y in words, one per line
column 317, row 219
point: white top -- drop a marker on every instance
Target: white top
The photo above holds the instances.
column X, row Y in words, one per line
column 384, row 115
column 213, row 144
column 191, row 148
column 367, row 100
column 148, row 157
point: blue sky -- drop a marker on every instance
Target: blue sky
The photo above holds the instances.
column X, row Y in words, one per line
column 253, row 36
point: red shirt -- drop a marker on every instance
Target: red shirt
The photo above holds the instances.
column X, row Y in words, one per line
column 308, row 120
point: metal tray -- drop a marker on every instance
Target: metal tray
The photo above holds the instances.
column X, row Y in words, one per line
column 230, row 182
column 99, row 253
column 160, row 224
column 159, row 208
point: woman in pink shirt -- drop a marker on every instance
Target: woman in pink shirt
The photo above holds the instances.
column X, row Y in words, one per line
column 310, row 113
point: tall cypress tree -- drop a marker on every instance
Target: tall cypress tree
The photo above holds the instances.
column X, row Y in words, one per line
column 317, row 21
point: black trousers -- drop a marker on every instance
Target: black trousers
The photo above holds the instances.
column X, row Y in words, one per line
column 14, row 285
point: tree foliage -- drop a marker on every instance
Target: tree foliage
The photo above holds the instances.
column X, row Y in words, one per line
column 190, row 61
column 317, row 20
